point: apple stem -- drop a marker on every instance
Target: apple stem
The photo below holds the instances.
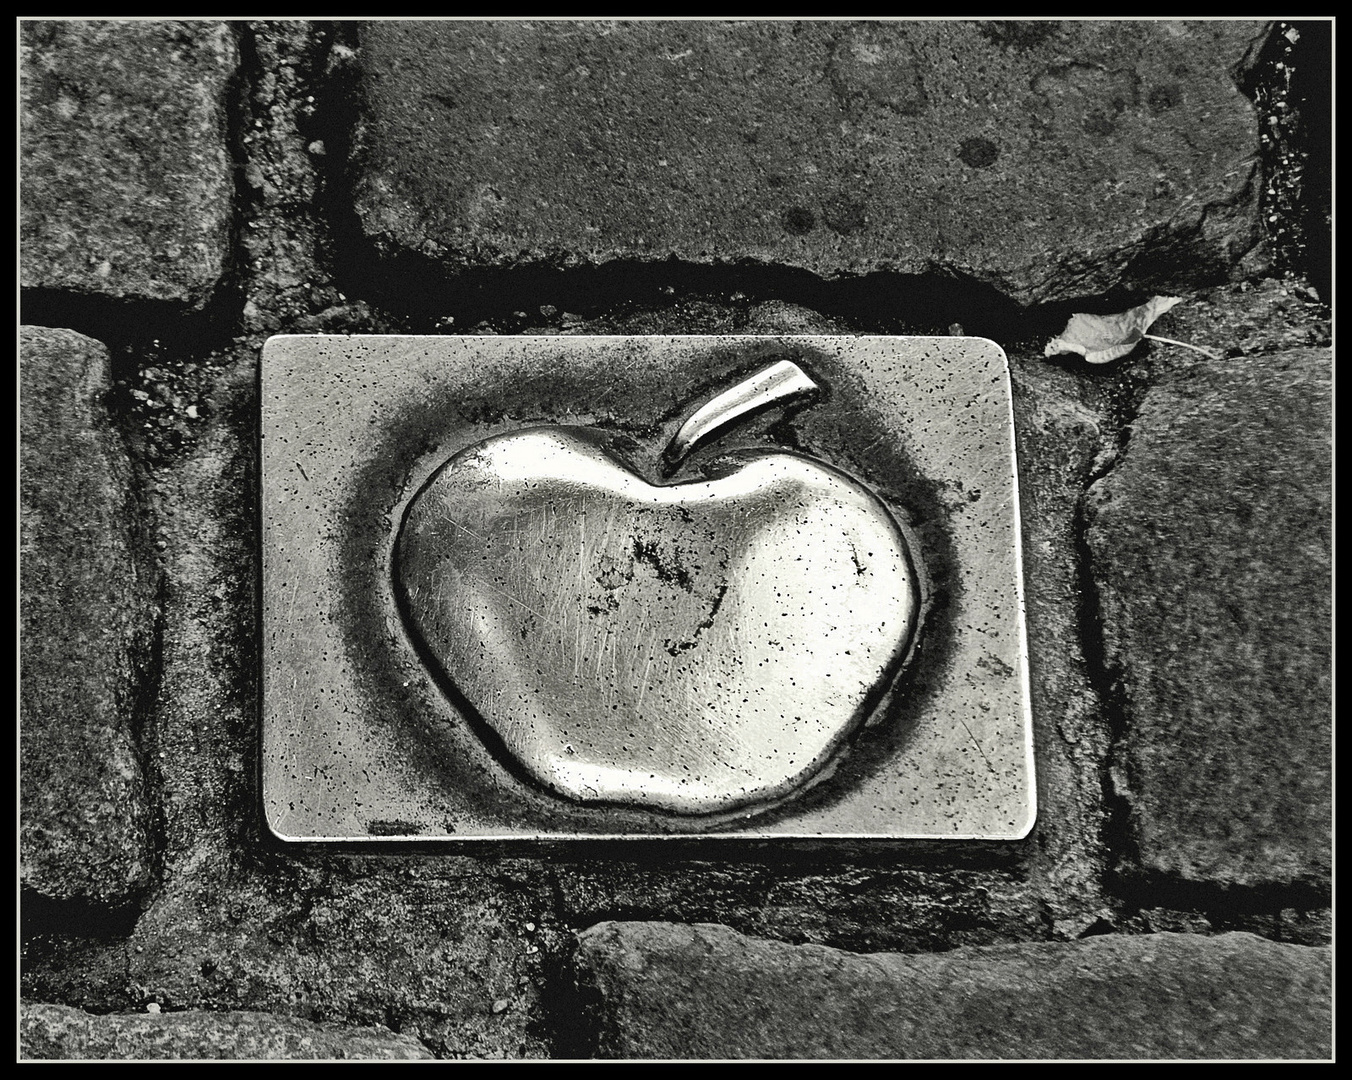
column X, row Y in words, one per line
column 768, row 386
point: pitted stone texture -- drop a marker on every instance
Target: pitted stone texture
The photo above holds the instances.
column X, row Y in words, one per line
column 126, row 182
column 664, row 991
column 1048, row 160
column 86, row 606
column 58, row 1031
column 428, row 947
column 1211, row 544
column 1058, row 437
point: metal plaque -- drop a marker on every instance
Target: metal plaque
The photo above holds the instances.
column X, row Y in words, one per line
column 556, row 587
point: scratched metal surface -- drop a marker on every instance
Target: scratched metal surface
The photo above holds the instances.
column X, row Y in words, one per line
column 372, row 730
column 693, row 647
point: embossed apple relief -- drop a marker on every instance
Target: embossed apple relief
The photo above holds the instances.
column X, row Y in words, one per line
column 691, row 647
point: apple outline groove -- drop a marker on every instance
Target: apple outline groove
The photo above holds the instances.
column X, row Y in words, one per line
column 672, row 739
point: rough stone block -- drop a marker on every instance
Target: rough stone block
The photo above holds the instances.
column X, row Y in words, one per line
column 58, row 1031
column 1211, row 543
column 1048, row 160
column 87, row 597
column 127, row 186
column 664, row 991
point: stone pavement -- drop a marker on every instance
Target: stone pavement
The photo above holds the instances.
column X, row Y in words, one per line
column 666, row 991
column 127, row 175
column 1219, row 512
column 189, row 188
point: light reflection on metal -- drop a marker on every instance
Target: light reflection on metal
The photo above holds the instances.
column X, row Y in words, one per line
column 695, row 647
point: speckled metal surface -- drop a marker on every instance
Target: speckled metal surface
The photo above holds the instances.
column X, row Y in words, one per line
column 388, row 649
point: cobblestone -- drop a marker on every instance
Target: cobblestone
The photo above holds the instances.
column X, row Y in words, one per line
column 664, row 991
column 1049, row 160
column 1211, row 543
column 87, row 588
column 127, row 183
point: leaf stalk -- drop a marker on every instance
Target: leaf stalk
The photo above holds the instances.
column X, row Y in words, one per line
column 1185, row 345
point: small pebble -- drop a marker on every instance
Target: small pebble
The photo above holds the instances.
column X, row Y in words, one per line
column 500, row 1006
column 530, row 928
column 153, row 1008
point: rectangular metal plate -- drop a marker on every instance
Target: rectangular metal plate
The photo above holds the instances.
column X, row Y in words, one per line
column 367, row 738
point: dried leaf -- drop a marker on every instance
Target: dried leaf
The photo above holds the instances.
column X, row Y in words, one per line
column 1100, row 338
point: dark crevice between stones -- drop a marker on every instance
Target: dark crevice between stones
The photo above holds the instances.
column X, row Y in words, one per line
column 45, row 918
column 1312, row 89
column 336, row 116
column 1288, row 77
column 237, row 115
column 161, row 387
column 295, row 101
column 1225, row 906
column 569, row 1007
column 141, row 715
column 856, row 913
column 248, row 202
column 1104, row 677
column 147, row 662
column 417, row 294
column 128, row 325
column 240, row 590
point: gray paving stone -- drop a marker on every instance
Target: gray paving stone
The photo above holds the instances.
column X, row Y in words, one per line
column 428, row 946
column 127, row 189
column 58, row 1031
column 704, row 991
column 1211, row 544
column 1049, row 160
column 86, row 617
